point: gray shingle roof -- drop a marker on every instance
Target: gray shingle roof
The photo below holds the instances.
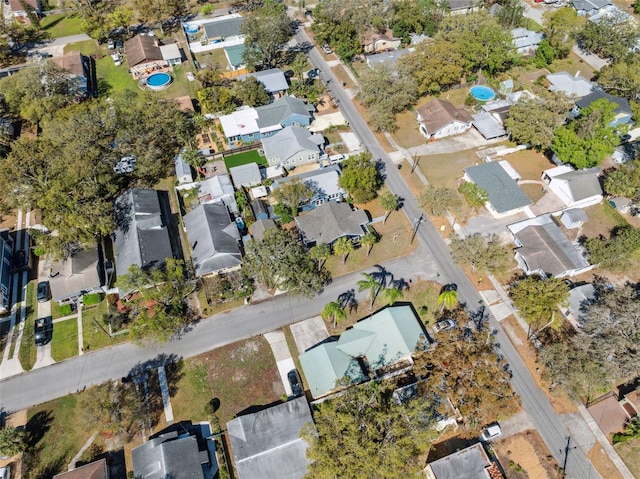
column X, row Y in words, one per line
column 288, row 142
column 582, row 183
column 281, row 109
column 622, row 105
column 229, row 27
column 213, row 238
column 260, row 226
column 267, row 444
column 469, row 463
column 82, row 271
column 546, row 248
column 387, row 58
column 504, row 193
column 272, row 79
column 141, row 235
column 488, row 126
column 246, row 175
column 330, row 221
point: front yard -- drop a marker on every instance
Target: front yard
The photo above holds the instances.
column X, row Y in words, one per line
column 61, row 25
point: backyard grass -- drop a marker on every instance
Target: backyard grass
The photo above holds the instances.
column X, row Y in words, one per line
column 630, row 453
column 446, row 169
column 533, row 191
column 27, row 353
column 60, row 25
column 529, row 163
column 240, row 375
column 181, row 86
column 193, row 392
column 64, row 344
column 86, row 47
column 58, row 311
column 602, row 219
column 212, row 57
column 244, row 158
column 113, row 79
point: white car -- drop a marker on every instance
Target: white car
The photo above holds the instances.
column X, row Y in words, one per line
column 491, row 432
column 4, row 471
column 444, row 325
column 117, row 59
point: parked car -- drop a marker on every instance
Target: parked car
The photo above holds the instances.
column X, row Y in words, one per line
column 335, row 159
column 295, row 383
column 327, row 49
column 44, row 291
column 444, row 325
column 43, row 330
column 491, row 432
column 111, row 44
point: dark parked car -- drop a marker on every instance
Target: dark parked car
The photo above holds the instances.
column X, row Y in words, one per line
column 296, row 384
column 44, row 291
column 43, row 330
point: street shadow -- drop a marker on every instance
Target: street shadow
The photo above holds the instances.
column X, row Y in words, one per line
column 173, row 369
column 382, row 276
column 37, row 427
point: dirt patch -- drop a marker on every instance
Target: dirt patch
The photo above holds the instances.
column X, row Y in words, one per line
column 529, row 163
column 603, row 464
column 342, row 76
column 447, row 169
column 525, row 456
column 630, row 453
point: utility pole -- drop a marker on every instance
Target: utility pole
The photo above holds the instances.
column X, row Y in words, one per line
column 415, row 162
column 416, row 224
column 566, row 451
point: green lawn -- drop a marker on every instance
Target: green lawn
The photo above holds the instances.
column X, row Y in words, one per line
column 181, row 86
column 251, row 156
column 64, row 344
column 95, row 336
column 113, row 79
column 193, row 392
column 87, row 47
column 27, row 353
column 60, row 25
column 58, row 311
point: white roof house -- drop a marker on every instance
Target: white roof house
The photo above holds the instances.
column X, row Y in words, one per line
column 575, row 85
column 241, row 122
column 183, row 171
column 576, row 189
column 526, row 41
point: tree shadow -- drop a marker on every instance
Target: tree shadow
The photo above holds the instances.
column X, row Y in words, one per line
column 37, row 427
column 382, row 276
column 104, row 87
column 348, row 300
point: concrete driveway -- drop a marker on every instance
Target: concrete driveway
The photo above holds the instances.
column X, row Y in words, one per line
column 281, row 353
column 308, row 333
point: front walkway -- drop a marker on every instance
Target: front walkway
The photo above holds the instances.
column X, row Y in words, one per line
column 284, row 361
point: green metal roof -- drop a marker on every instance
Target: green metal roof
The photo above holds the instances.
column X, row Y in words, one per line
column 383, row 338
column 234, row 55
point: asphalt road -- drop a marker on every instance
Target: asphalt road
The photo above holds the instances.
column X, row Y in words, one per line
column 93, row 368
column 534, row 401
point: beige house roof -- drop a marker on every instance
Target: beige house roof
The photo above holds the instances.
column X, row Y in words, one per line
column 142, row 49
column 437, row 114
column 93, row 470
column 71, row 62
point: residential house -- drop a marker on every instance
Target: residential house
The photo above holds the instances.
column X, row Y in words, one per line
column 500, row 181
column 223, row 30
column 142, row 235
column 247, row 125
column 461, row 7
column 330, row 221
column 382, row 343
column 183, row 170
column 181, row 451
column 472, row 462
column 380, row 42
column 143, row 55
column 580, row 297
column 83, row 70
column 576, row 188
column 388, row 59
column 543, row 249
column 589, row 8
column 94, row 470
column 259, row 227
column 573, row 218
column 235, row 56
column 6, row 251
column 259, row 209
column 273, row 80
column 490, row 121
column 267, row 444
column 623, row 113
column 613, row 411
column 245, row 175
column 438, row 119
column 218, row 190
column 613, row 16
column 571, row 85
column 324, row 183
column 293, row 146
column 526, row 41
column 214, row 239
column 82, row 272
column 19, row 9
column 171, row 54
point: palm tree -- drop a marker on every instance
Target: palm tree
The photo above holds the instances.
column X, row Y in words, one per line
column 389, row 202
column 391, row 295
column 448, row 298
column 320, row 252
column 335, row 311
column 371, row 284
column 343, row 246
column 369, row 239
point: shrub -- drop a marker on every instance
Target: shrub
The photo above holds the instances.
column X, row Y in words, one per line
column 66, row 309
column 207, row 9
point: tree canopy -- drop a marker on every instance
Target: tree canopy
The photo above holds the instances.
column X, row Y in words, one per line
column 612, row 37
column 613, row 253
column 281, row 261
column 267, row 30
column 622, row 77
column 624, row 181
column 360, row 178
column 364, row 433
column 560, row 27
column 437, row 201
column 538, row 299
column 483, row 252
column 590, row 138
column 160, row 309
column 68, row 170
column 435, row 66
column 293, row 194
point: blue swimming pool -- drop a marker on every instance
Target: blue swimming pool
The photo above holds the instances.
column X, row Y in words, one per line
column 159, row 81
column 191, row 28
column 482, row 93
